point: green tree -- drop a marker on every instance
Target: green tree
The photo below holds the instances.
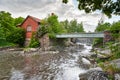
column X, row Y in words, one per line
column 18, row 21
column 115, row 29
column 8, row 30
column 102, row 27
column 17, row 36
column 2, row 36
column 50, row 25
column 54, row 25
column 80, row 28
column 65, row 24
column 72, row 26
column 43, row 29
column 6, row 22
column 75, row 27
column 106, row 6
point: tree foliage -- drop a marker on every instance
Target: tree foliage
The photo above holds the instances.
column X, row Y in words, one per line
column 17, row 36
column 34, row 43
column 18, row 20
column 50, row 25
column 54, row 25
column 8, row 28
column 102, row 27
column 106, row 6
column 73, row 26
column 6, row 23
column 115, row 29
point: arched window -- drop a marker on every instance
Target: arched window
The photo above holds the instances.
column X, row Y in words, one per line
column 29, row 28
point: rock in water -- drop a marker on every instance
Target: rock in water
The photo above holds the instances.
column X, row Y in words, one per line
column 94, row 74
column 98, row 75
column 117, row 76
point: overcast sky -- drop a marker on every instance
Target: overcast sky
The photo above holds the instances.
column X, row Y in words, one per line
column 41, row 9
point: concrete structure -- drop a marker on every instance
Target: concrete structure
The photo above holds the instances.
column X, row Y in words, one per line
column 81, row 35
column 106, row 35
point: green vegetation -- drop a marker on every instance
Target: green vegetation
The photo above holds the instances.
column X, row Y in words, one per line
column 101, row 28
column 51, row 26
column 107, row 7
column 9, row 33
column 114, row 47
column 111, row 69
column 4, row 43
column 115, row 30
column 73, row 26
column 34, row 41
column 17, row 36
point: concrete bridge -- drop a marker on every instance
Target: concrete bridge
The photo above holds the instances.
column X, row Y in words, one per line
column 106, row 35
column 81, row 35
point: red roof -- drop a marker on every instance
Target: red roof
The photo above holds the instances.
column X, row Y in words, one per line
column 34, row 18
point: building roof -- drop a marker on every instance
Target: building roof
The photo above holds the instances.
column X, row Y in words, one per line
column 34, row 18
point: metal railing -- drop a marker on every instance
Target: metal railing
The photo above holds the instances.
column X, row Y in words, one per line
column 81, row 35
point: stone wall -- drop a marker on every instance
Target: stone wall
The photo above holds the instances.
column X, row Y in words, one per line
column 44, row 42
column 107, row 36
column 27, row 42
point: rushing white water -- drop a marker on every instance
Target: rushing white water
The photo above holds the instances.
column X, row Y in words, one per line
column 69, row 72
column 17, row 75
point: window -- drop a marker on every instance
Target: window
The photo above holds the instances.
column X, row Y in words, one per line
column 29, row 28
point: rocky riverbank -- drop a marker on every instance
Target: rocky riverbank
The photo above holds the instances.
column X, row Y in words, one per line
column 109, row 66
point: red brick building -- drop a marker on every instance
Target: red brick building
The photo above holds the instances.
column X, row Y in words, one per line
column 30, row 24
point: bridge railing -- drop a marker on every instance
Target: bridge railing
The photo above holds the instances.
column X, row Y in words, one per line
column 81, row 35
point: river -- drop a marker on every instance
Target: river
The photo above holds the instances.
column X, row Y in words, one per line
column 64, row 65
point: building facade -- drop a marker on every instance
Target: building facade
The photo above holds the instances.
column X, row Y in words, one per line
column 30, row 24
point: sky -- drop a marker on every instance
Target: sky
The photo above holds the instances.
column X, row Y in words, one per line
column 42, row 8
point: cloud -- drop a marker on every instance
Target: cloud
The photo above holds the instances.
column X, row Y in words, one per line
column 41, row 9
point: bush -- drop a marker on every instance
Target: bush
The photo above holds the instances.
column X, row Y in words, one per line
column 17, row 36
column 4, row 43
column 34, row 41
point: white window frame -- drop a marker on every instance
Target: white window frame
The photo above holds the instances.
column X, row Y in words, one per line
column 29, row 28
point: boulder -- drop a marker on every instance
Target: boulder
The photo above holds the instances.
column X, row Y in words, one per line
column 117, row 76
column 116, row 62
column 94, row 74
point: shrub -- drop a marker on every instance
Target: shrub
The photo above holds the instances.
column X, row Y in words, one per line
column 17, row 36
column 34, row 41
